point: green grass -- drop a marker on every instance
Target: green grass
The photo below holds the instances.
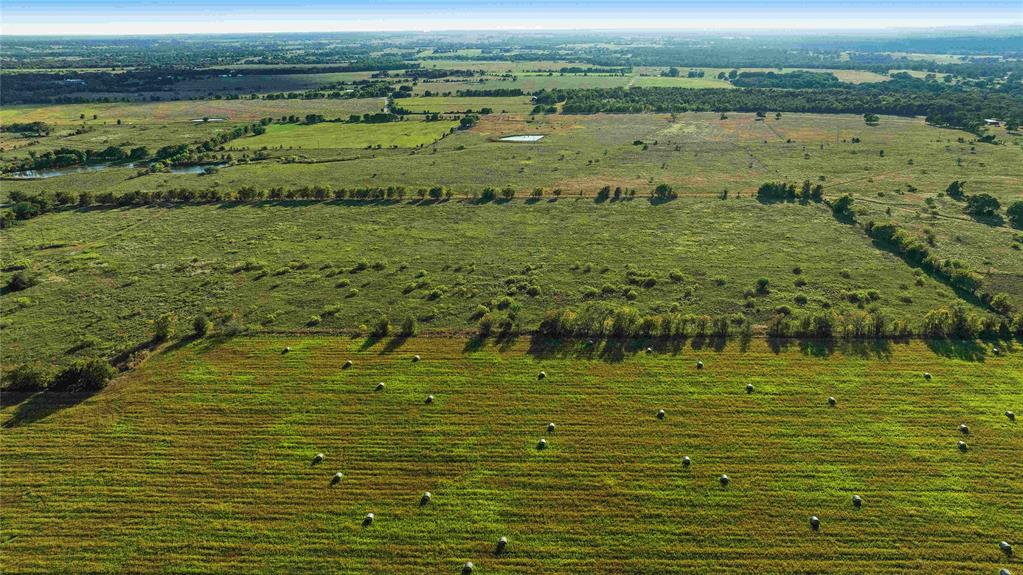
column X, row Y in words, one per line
column 199, row 462
column 105, row 274
column 408, row 134
column 441, row 105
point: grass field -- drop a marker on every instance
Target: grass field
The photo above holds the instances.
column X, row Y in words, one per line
column 199, row 462
column 186, row 111
column 441, row 105
column 409, row 134
column 698, row 152
column 106, row 274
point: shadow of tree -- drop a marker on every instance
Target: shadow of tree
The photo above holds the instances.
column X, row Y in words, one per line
column 965, row 350
column 41, row 405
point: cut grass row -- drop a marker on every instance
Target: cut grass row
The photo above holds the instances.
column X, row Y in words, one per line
column 200, row 461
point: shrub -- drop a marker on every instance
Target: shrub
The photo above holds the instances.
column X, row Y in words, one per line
column 1015, row 213
column 843, row 206
column 982, row 205
column 1000, row 303
column 762, row 284
column 314, row 320
column 27, row 377
column 800, row 299
column 676, row 276
column 163, row 327
column 84, row 375
column 382, row 327
column 409, row 326
column 485, row 325
column 201, row 325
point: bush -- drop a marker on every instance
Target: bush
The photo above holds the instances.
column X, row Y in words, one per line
column 27, row 377
column 762, row 284
column 201, row 325
column 84, row 375
column 21, row 280
column 982, row 205
column 1015, row 213
column 163, row 327
column 409, row 326
column 843, row 206
column 382, row 327
column 485, row 325
column 1000, row 303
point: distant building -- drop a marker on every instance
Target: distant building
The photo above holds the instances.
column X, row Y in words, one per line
column 992, row 122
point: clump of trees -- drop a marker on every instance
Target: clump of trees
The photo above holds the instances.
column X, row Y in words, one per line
column 916, row 251
column 608, row 320
column 784, row 191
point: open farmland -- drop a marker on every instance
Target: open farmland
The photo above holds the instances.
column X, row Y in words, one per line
column 200, row 461
column 699, row 153
column 276, row 265
column 489, row 302
column 345, row 135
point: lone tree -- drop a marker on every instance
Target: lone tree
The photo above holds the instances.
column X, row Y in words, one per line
column 956, row 190
column 982, row 205
column 843, row 206
column 163, row 327
column 1015, row 213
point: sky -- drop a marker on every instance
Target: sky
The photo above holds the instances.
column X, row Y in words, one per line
column 134, row 17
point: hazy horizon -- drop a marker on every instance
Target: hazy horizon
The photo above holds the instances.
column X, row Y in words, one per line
column 114, row 18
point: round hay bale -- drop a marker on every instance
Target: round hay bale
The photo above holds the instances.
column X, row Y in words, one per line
column 649, row 350
column 750, row 388
column 995, row 350
column 541, row 375
column 542, row 444
column 415, row 358
column 964, row 429
column 699, row 365
column 286, row 349
column 501, row 544
column 337, row 478
column 815, row 523
column 857, row 502
column 962, row 446
column 686, row 462
column 1004, row 571
column 660, row 414
column 1006, row 548
column 1010, row 415
column 427, row 496
column 368, row 519
column 467, row 568
column 429, row 399
column 318, row 458
column 380, row 386
column 347, row 365
column 724, row 480
column 832, row 401
column 927, row 376
column 550, row 428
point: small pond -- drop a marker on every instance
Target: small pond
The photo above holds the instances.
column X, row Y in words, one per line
column 535, row 138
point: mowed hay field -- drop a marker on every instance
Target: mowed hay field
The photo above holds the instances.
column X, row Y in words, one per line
column 201, row 461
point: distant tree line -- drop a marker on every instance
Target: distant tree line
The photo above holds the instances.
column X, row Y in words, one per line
column 942, row 105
